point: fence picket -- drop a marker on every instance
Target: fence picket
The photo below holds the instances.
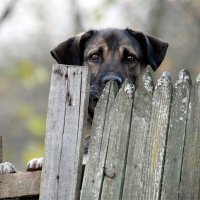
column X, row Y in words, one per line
column 156, row 139
column 118, row 142
column 68, row 100
column 189, row 186
column 139, row 130
column 176, row 137
column 94, row 171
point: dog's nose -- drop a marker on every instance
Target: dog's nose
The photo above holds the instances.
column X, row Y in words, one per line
column 107, row 78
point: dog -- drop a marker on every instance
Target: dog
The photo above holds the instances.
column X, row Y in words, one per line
column 111, row 54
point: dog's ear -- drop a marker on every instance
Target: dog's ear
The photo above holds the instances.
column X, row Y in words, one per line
column 70, row 51
column 154, row 48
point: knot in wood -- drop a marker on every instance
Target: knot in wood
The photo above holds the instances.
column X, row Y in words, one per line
column 69, row 99
column 109, row 173
column 58, row 71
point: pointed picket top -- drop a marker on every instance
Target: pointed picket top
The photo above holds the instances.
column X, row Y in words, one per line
column 148, row 82
column 143, row 94
column 184, row 76
column 164, row 80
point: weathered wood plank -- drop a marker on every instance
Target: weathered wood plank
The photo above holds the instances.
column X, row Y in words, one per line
column 156, row 140
column 176, row 137
column 94, row 171
column 66, row 120
column 190, row 184
column 20, row 184
column 54, row 130
column 143, row 95
column 118, row 143
column 139, row 129
column 1, row 149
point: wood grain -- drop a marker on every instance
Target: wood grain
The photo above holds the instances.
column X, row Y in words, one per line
column 156, row 139
column 118, row 145
column 94, row 172
column 21, row 184
column 190, row 176
column 133, row 184
column 66, row 121
column 176, row 137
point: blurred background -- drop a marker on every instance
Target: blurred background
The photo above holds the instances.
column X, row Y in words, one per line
column 29, row 29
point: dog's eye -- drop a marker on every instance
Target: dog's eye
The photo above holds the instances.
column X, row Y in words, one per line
column 130, row 58
column 95, row 57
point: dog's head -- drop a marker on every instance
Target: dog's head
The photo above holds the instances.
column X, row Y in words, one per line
column 111, row 54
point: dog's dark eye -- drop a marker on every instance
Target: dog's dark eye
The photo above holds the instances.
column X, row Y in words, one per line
column 95, row 57
column 130, row 58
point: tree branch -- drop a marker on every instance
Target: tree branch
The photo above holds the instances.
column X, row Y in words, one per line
column 8, row 10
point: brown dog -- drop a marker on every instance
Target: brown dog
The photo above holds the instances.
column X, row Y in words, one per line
column 111, row 54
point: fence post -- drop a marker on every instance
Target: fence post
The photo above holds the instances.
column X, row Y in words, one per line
column 66, row 120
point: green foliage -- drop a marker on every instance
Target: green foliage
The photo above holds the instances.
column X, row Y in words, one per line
column 29, row 74
column 33, row 150
column 34, row 123
column 18, row 86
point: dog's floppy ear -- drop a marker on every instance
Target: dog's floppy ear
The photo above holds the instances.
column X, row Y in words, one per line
column 70, row 52
column 154, row 48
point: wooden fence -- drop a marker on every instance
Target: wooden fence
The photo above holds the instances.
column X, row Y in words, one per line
column 144, row 147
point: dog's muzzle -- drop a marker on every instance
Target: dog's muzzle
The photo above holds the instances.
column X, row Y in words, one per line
column 95, row 91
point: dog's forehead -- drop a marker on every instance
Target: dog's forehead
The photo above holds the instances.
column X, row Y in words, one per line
column 116, row 36
column 113, row 38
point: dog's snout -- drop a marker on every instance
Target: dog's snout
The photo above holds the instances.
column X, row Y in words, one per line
column 107, row 78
